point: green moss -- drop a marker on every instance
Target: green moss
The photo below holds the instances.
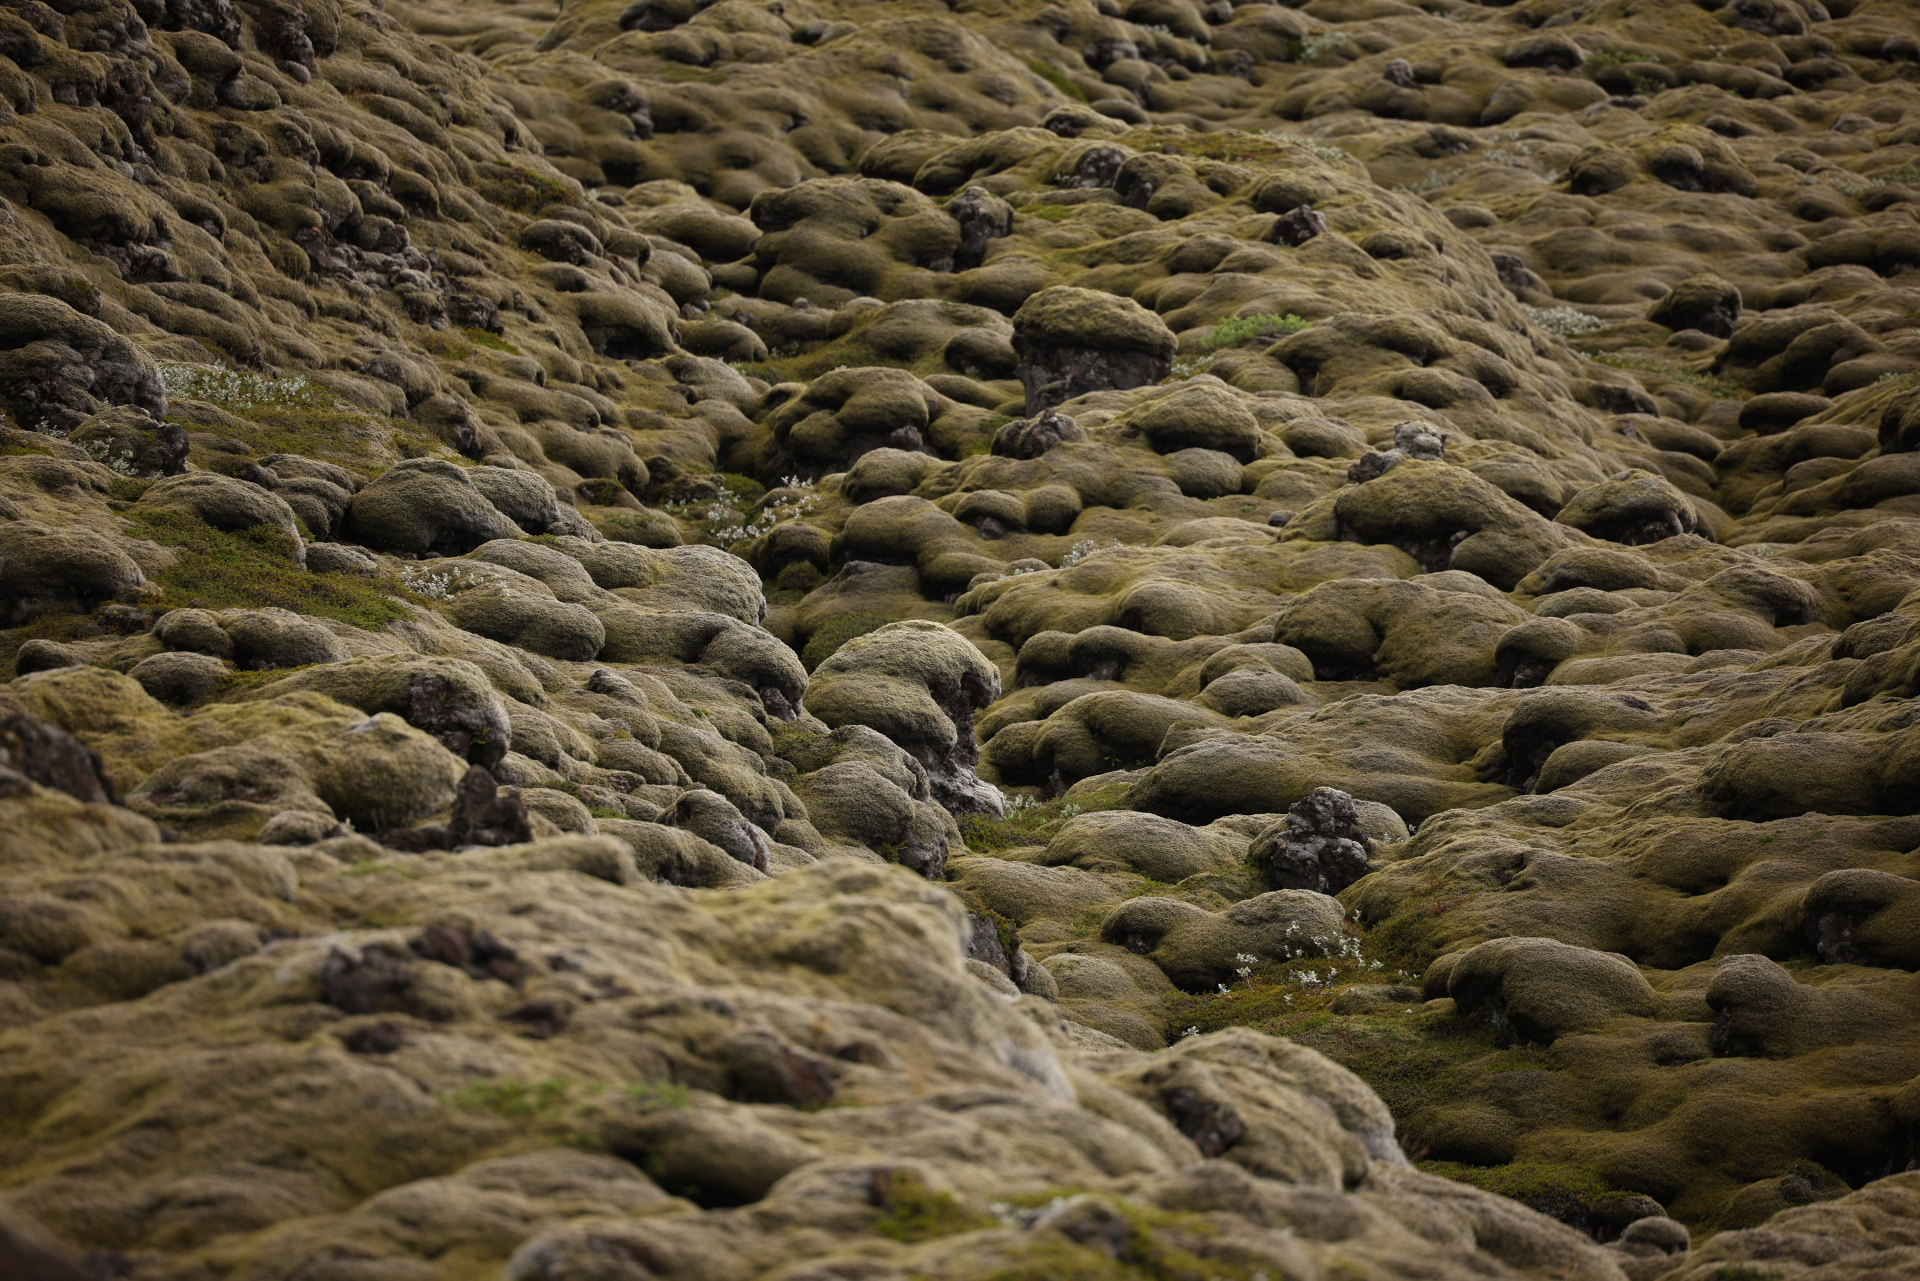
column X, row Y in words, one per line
column 1415, row 1059
column 1719, row 388
column 1057, row 79
column 677, row 74
column 288, row 415
column 1049, row 211
column 1572, row 1195
column 1028, row 822
column 367, row 867
column 659, row 1095
column 911, row 1211
column 456, row 348
column 254, row 567
column 511, row 1098
column 446, row 346
column 1161, row 1246
column 1615, row 55
column 794, row 582
column 745, row 489
column 794, row 737
column 1402, row 939
column 524, row 191
column 1231, row 333
column 486, row 338
column 795, row 363
column 645, row 528
column 824, row 643
column 1258, row 150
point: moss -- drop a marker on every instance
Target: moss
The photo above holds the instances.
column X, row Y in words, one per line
column 15, row 441
column 795, row 581
column 1030, row 823
column 1402, row 937
column 1162, row 1246
column 512, row 1098
column 485, row 338
column 657, row 1096
column 794, row 737
column 446, row 346
column 646, row 527
column 1057, row 79
column 823, row 643
column 1231, row 333
column 1572, row 1195
column 1264, row 149
column 677, row 74
column 1719, row 388
column 524, row 191
column 796, row 363
column 1415, row 1059
column 234, row 684
column 745, row 489
column 911, row 1211
column 290, row 416
column 253, row 568
column 1050, row 212
column 366, row 867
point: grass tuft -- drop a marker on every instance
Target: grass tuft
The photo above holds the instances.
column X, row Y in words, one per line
column 1231, row 333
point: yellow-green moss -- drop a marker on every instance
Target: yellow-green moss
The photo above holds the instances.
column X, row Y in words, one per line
column 912, row 1211
column 253, row 568
column 823, row 644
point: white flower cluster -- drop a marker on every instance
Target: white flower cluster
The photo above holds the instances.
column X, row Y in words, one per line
column 1313, row 46
column 237, row 389
column 122, row 463
column 770, row 515
column 1081, row 550
column 438, row 586
column 1015, row 806
column 1564, row 322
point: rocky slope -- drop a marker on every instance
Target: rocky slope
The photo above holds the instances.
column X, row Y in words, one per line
column 983, row 640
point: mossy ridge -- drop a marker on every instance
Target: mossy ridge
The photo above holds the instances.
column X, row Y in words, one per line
column 254, row 567
column 1030, row 823
column 1577, row 1197
column 1717, row 387
column 799, row 363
